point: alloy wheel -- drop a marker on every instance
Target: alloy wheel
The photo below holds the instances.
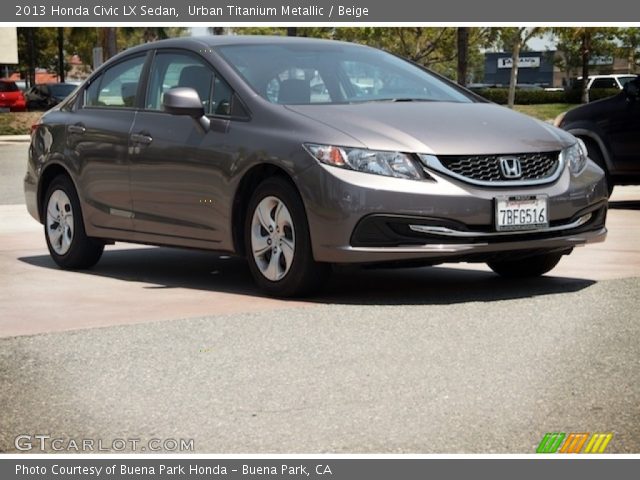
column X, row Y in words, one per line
column 273, row 239
column 60, row 222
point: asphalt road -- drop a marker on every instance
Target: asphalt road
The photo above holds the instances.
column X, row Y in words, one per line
column 163, row 343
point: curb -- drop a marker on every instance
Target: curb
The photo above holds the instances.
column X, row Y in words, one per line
column 14, row 138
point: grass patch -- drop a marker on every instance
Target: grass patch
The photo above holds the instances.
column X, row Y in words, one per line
column 545, row 111
column 18, row 123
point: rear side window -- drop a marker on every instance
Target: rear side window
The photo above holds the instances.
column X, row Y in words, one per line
column 116, row 87
column 8, row 87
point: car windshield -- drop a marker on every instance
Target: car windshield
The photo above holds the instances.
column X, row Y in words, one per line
column 8, row 87
column 304, row 74
column 624, row 80
column 61, row 90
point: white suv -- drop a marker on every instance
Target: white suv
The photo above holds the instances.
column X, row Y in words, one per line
column 616, row 81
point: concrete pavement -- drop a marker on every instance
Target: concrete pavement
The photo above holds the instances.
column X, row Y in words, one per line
column 134, row 284
column 485, row 374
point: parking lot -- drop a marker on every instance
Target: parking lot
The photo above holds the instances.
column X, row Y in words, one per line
column 166, row 343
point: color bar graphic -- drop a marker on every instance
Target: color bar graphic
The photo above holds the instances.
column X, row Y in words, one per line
column 573, row 442
column 598, row 443
column 550, row 443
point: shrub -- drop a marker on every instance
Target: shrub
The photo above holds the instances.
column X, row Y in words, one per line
column 537, row 97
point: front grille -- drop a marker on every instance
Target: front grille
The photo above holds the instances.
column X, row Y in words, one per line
column 486, row 168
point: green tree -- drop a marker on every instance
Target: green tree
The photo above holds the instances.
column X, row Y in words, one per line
column 435, row 48
column 578, row 45
column 37, row 48
column 514, row 39
column 629, row 39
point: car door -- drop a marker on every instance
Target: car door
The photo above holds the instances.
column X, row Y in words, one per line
column 622, row 127
column 177, row 170
column 98, row 137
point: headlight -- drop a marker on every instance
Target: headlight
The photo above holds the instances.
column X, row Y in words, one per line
column 391, row 164
column 576, row 157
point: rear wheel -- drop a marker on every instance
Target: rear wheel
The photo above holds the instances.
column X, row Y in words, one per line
column 67, row 241
column 277, row 241
column 533, row 266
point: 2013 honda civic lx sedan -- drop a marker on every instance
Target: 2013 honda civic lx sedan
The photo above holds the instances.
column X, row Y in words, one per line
column 302, row 153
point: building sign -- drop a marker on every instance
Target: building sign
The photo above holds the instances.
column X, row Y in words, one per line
column 601, row 60
column 523, row 62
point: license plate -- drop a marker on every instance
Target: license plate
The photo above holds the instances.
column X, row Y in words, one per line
column 521, row 213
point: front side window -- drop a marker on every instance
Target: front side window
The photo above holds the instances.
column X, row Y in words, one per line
column 624, row 80
column 62, row 90
column 175, row 69
column 311, row 73
column 117, row 86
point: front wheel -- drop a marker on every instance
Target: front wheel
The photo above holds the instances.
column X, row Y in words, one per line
column 67, row 241
column 277, row 241
column 533, row 266
column 594, row 154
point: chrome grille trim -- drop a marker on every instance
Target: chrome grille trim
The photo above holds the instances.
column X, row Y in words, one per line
column 448, row 232
column 544, row 170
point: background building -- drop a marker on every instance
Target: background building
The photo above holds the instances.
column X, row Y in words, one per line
column 544, row 68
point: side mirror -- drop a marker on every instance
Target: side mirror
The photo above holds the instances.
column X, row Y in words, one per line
column 186, row 101
column 631, row 90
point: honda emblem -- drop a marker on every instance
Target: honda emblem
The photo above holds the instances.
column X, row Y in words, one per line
column 510, row 167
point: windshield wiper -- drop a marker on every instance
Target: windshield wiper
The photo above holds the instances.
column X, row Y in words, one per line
column 395, row 99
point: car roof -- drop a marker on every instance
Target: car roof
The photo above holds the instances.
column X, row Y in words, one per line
column 212, row 41
column 217, row 40
column 614, row 75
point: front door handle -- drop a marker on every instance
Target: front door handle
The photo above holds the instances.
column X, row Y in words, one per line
column 141, row 138
column 79, row 129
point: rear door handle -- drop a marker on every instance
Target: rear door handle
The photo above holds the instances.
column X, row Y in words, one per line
column 79, row 129
column 141, row 138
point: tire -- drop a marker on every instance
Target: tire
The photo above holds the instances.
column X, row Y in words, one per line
column 67, row 241
column 277, row 241
column 595, row 155
column 533, row 266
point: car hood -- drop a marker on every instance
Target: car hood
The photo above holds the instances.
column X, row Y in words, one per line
column 441, row 128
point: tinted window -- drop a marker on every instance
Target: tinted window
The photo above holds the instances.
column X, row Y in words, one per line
column 221, row 100
column 172, row 69
column 624, row 80
column 334, row 73
column 604, row 83
column 117, row 86
column 61, row 90
column 8, row 87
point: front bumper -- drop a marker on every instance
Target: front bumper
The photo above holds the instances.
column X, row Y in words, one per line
column 363, row 218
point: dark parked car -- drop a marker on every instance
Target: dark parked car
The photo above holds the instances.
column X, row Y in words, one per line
column 44, row 96
column 299, row 153
column 11, row 97
column 610, row 129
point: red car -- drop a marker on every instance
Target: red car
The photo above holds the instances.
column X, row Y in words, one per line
column 11, row 97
